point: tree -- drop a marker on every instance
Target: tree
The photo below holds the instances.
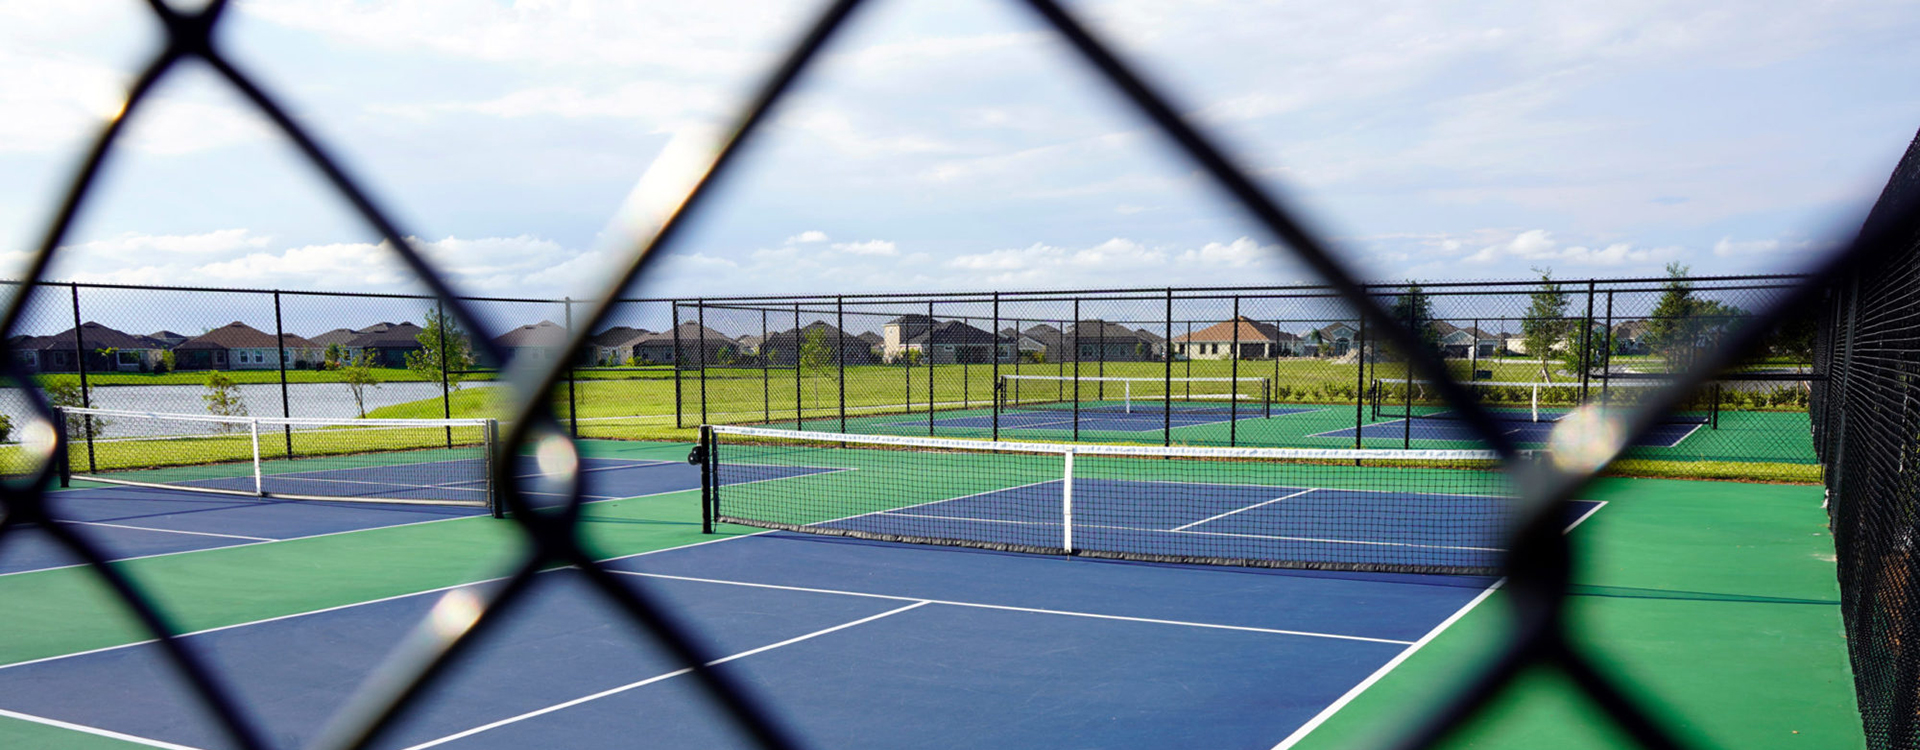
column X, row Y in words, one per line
column 66, row 394
column 166, row 362
column 1318, row 342
column 815, row 356
column 359, row 376
column 444, row 350
column 1573, row 359
column 1545, row 324
column 1414, row 308
column 223, row 399
column 335, row 355
column 1672, row 332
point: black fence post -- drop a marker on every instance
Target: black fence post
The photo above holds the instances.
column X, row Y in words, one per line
column 926, row 352
column 446, row 381
column 1233, row 380
column 1586, row 344
column 679, row 405
column 573, row 358
column 1359, row 380
column 994, row 391
column 1606, row 367
column 280, row 354
column 1166, row 395
column 766, row 375
column 709, row 489
column 1406, row 375
column 1076, row 369
column 700, row 346
column 799, row 389
column 840, row 324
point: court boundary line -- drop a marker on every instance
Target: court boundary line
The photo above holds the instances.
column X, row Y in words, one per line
column 1327, row 713
column 95, row 731
column 463, row 734
column 1012, row 608
column 166, row 531
column 1334, row 434
column 598, row 499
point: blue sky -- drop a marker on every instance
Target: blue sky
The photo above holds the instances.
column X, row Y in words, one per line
column 956, row 145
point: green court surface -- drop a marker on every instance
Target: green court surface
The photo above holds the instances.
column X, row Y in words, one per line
column 1718, row 600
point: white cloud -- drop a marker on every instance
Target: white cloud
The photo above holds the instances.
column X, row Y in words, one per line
column 870, row 247
column 1728, row 248
column 811, row 235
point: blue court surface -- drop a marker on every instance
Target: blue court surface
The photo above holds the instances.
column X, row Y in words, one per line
column 854, row 643
column 132, row 522
column 1103, row 420
column 1659, row 436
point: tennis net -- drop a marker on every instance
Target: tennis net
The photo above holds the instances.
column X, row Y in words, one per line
column 1531, row 401
column 408, row 461
column 1421, row 511
column 1246, row 396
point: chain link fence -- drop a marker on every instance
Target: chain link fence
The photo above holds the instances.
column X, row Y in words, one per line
column 713, row 380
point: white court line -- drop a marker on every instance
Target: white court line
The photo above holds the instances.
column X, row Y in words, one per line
column 1010, row 608
column 1184, row 527
column 657, row 678
column 1398, row 659
column 586, row 501
column 95, row 731
column 167, row 531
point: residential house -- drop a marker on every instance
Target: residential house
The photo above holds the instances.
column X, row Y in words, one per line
column 615, row 346
column 955, row 342
column 1464, row 342
column 1052, row 342
column 750, row 345
column 1029, row 347
column 1155, row 342
column 787, row 348
column 337, row 337
column 698, row 343
column 901, row 330
column 876, row 343
column 238, row 346
column 1254, row 339
column 167, row 338
column 106, row 350
column 1630, row 337
column 385, row 344
column 1333, row 340
column 544, row 341
column 1098, row 340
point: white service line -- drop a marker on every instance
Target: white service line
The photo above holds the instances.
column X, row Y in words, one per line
column 95, row 731
column 167, row 531
column 660, row 677
column 1184, row 527
column 1010, row 608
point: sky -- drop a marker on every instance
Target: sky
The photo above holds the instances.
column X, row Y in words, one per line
column 960, row 146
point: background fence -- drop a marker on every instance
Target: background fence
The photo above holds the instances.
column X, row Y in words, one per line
column 1266, row 366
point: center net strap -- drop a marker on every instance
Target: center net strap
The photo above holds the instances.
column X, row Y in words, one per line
column 1422, row 511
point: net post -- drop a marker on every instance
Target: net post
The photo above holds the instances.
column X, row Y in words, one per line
column 489, row 440
column 80, row 366
column 679, row 408
column 1166, row 391
column 280, row 355
column 1266, row 396
column 1066, row 502
column 60, row 446
column 709, row 499
column 259, row 479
